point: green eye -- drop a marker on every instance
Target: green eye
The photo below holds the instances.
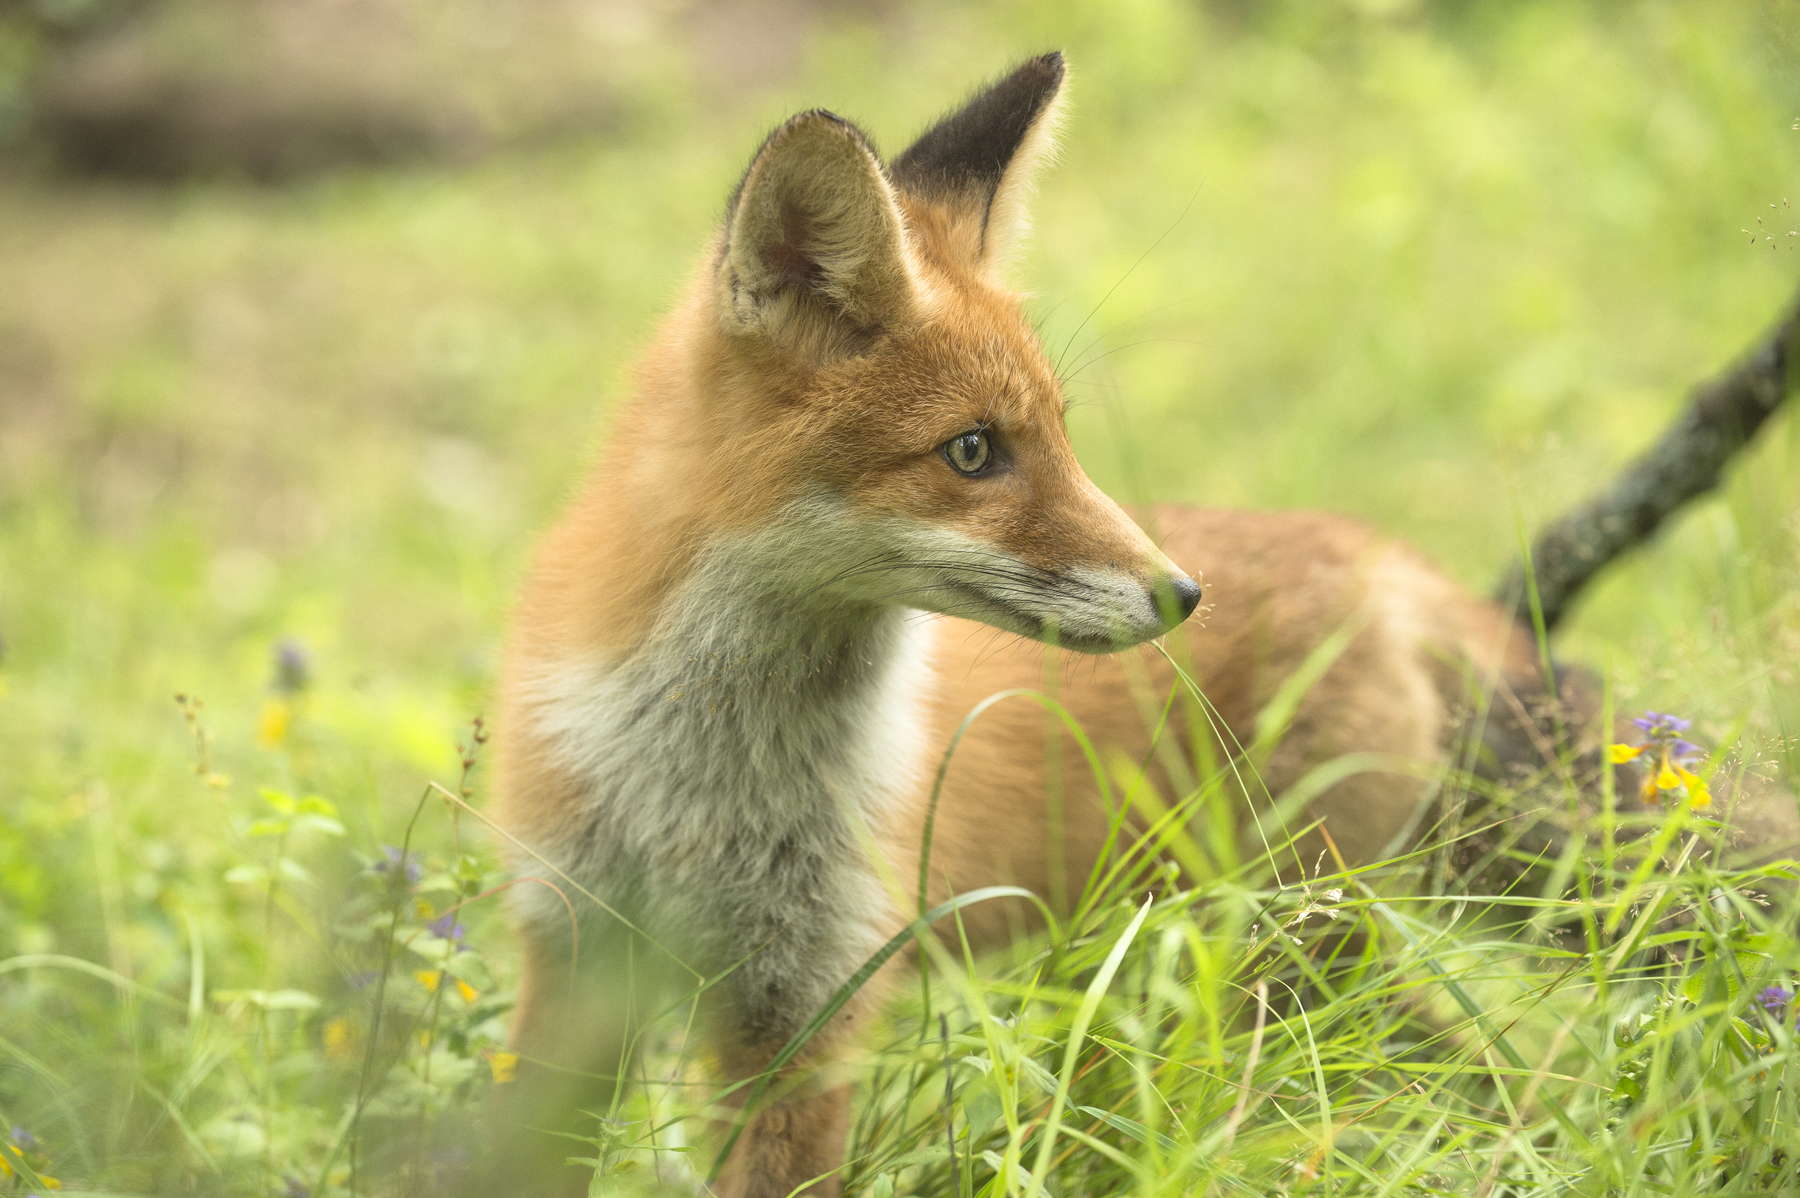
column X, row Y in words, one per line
column 969, row 453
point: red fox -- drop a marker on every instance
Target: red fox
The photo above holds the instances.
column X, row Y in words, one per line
column 741, row 655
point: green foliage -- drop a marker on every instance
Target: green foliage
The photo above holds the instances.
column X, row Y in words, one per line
column 1441, row 266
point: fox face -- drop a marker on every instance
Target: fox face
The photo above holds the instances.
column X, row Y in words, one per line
column 884, row 403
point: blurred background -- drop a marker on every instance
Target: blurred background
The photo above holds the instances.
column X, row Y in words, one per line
column 312, row 311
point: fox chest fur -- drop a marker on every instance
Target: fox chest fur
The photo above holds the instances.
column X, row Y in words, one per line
column 731, row 776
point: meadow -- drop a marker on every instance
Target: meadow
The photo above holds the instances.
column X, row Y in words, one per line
column 272, row 458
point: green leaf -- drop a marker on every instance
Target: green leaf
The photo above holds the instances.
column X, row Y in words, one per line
column 1130, row 1127
column 320, row 823
column 269, row 1000
column 929, row 1155
column 279, row 800
column 235, row 1137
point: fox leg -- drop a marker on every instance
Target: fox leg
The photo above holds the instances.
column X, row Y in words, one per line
column 793, row 1142
column 790, row 1142
column 572, row 1031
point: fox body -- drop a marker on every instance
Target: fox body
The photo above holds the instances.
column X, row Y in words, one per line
column 741, row 656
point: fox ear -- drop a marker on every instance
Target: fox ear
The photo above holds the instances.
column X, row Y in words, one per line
column 978, row 163
column 815, row 246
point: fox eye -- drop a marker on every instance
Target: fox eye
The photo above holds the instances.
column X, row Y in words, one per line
column 969, row 453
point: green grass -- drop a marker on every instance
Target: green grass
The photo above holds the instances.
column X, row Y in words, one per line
column 1445, row 270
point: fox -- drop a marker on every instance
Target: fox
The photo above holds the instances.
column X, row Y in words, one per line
column 840, row 511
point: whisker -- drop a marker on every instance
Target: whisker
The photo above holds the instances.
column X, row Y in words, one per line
column 1084, row 363
column 1109, row 294
column 1128, row 321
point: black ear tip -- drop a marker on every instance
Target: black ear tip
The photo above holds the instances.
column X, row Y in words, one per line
column 1047, row 69
column 812, row 115
column 823, row 118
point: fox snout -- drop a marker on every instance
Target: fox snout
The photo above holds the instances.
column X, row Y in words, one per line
column 1151, row 598
column 1089, row 609
column 1172, row 596
column 1187, row 597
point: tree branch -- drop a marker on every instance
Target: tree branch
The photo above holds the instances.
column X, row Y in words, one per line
column 1720, row 419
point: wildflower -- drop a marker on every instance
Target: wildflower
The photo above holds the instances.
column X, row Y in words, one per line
column 446, row 927
column 272, row 725
column 505, row 1066
column 339, row 1037
column 431, row 979
column 1669, row 754
column 1773, row 998
column 24, row 1139
column 398, row 864
column 293, row 667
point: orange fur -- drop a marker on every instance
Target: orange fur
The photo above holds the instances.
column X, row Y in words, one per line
column 844, row 328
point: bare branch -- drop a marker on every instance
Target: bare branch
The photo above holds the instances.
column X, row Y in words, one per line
column 1720, row 419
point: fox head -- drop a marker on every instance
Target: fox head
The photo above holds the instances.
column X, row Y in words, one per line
column 864, row 380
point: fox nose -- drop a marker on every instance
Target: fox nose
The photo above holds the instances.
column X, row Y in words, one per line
column 1187, row 594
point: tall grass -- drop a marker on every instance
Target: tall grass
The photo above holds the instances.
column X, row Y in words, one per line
column 1440, row 267
column 1211, row 1015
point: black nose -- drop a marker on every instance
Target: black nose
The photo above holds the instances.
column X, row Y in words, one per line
column 1187, row 593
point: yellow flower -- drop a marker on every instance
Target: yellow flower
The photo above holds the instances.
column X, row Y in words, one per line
column 423, row 908
column 1623, row 753
column 339, row 1036
column 1698, row 795
column 505, row 1066
column 50, row 1183
column 428, row 978
column 467, row 991
column 272, row 728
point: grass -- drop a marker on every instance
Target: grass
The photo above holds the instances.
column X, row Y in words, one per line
column 1441, row 268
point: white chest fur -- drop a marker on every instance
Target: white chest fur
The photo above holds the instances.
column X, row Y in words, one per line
column 735, row 765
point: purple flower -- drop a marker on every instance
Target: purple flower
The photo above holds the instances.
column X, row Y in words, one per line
column 1773, row 998
column 446, row 927
column 293, row 667
column 1664, row 729
column 296, row 1188
column 398, row 863
column 23, row 1138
